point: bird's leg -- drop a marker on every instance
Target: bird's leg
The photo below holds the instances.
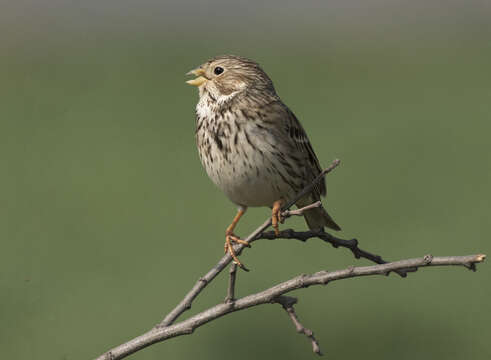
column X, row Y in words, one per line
column 231, row 238
column 276, row 216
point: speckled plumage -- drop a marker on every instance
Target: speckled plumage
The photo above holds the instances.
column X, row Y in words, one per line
column 250, row 144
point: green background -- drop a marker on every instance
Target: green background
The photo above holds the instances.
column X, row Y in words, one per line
column 107, row 218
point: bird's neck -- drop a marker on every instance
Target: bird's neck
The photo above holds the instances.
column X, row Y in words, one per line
column 210, row 104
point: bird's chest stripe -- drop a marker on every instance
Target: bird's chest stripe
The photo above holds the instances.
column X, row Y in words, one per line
column 218, row 142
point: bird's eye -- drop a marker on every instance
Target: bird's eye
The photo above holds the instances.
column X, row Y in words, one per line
column 218, row 70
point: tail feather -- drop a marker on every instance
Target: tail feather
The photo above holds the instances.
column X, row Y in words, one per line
column 317, row 218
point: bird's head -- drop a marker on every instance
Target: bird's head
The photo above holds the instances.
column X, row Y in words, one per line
column 225, row 77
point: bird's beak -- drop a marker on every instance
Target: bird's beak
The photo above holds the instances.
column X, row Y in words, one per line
column 199, row 80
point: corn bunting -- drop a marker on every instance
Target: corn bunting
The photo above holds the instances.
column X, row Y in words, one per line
column 252, row 145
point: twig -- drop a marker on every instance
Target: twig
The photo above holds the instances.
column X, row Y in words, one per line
column 185, row 303
column 334, row 241
column 287, row 302
column 351, row 244
column 270, row 295
column 231, row 283
column 299, row 212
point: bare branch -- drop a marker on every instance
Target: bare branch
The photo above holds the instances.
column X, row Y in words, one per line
column 299, row 212
column 287, row 302
column 334, row 241
column 167, row 329
column 270, row 295
column 231, row 283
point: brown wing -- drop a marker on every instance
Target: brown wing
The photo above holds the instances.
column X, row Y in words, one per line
column 316, row 218
column 297, row 134
column 281, row 120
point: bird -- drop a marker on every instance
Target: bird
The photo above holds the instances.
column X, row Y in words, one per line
column 251, row 144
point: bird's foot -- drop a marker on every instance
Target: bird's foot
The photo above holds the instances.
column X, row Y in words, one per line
column 276, row 217
column 230, row 240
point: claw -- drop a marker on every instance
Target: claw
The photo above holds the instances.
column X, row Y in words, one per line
column 238, row 240
column 229, row 247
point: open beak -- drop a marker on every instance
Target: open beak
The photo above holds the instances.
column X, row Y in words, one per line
column 199, row 80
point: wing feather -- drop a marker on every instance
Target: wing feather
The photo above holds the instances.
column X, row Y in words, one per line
column 299, row 137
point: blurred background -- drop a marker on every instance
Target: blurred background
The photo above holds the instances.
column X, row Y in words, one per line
column 107, row 217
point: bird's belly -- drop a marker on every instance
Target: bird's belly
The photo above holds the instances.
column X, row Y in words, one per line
column 248, row 177
column 246, row 188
